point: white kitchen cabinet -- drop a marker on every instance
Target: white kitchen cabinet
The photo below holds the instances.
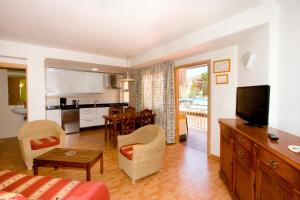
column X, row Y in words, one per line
column 99, row 83
column 57, row 80
column 92, row 116
column 72, row 81
column 88, row 117
column 87, row 123
column 100, row 112
column 93, row 82
column 88, row 113
column 54, row 115
column 52, row 82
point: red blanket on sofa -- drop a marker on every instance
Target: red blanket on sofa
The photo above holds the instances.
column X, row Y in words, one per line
column 44, row 188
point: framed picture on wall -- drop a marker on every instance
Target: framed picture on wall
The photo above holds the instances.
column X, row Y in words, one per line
column 221, row 66
column 222, row 79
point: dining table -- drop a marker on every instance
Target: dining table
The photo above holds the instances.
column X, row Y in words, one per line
column 117, row 119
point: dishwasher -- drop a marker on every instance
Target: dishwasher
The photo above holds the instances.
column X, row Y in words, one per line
column 70, row 120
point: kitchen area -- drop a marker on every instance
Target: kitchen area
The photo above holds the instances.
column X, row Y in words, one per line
column 78, row 98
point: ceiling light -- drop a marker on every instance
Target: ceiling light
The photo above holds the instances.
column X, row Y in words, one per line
column 95, row 69
column 127, row 78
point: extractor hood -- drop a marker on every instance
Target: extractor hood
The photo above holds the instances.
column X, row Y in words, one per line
column 113, row 81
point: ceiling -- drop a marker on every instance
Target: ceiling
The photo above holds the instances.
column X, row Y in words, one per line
column 111, row 27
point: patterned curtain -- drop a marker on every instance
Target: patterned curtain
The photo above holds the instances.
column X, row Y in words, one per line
column 154, row 89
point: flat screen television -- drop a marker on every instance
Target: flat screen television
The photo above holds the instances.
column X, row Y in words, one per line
column 252, row 104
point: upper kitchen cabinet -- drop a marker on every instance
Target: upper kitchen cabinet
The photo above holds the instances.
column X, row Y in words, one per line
column 53, row 81
column 93, row 82
column 62, row 81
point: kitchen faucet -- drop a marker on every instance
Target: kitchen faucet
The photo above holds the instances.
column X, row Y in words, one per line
column 95, row 102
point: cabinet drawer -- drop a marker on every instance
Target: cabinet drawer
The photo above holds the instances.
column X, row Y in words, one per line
column 226, row 130
column 243, row 141
column 87, row 123
column 88, row 113
column 244, row 155
column 280, row 167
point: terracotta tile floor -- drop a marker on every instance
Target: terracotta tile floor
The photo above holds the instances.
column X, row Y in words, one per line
column 186, row 173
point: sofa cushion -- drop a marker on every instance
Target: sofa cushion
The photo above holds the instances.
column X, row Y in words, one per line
column 127, row 150
column 44, row 142
column 47, row 188
column 11, row 196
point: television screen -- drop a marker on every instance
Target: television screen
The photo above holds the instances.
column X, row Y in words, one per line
column 252, row 104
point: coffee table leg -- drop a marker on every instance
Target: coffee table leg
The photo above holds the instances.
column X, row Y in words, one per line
column 35, row 168
column 88, row 173
column 101, row 164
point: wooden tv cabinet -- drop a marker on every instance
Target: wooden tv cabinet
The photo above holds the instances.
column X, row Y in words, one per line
column 254, row 167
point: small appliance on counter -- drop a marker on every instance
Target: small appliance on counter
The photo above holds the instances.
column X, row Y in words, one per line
column 62, row 102
column 75, row 103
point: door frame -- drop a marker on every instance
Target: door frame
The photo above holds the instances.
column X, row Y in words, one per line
column 176, row 82
column 4, row 65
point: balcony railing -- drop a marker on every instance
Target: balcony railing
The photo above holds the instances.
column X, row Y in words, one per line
column 196, row 117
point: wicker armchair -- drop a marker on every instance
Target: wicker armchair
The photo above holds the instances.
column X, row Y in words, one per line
column 147, row 157
column 36, row 130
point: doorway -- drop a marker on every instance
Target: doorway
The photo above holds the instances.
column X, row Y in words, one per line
column 13, row 101
column 192, row 95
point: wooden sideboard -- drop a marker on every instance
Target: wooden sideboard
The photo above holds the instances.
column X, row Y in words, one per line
column 254, row 167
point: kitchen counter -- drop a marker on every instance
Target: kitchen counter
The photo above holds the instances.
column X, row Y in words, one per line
column 55, row 107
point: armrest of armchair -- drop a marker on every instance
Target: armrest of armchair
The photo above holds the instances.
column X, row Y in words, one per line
column 59, row 133
column 25, row 146
column 126, row 139
column 61, row 136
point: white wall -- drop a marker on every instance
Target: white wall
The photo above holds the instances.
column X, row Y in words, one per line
column 191, row 43
column 257, row 42
column 36, row 56
column 222, row 96
column 9, row 121
column 288, row 67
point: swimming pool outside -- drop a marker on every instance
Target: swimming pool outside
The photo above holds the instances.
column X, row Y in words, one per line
column 193, row 104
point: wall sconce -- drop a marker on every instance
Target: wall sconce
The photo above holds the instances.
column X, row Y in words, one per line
column 248, row 59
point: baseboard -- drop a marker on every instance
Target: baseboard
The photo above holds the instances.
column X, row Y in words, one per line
column 217, row 158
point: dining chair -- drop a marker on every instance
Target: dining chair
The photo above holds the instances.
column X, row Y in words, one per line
column 115, row 110
column 114, row 114
column 129, row 109
column 146, row 117
column 128, row 122
column 114, row 126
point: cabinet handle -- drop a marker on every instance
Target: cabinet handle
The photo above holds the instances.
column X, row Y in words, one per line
column 241, row 153
column 241, row 140
column 273, row 164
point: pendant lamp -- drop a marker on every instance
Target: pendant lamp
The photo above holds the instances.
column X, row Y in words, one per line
column 127, row 77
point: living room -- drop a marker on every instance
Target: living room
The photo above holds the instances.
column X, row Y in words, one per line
column 258, row 37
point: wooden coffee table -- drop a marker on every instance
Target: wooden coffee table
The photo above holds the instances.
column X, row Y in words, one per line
column 80, row 159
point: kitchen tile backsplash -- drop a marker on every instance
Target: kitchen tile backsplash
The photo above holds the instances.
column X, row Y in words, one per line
column 109, row 96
